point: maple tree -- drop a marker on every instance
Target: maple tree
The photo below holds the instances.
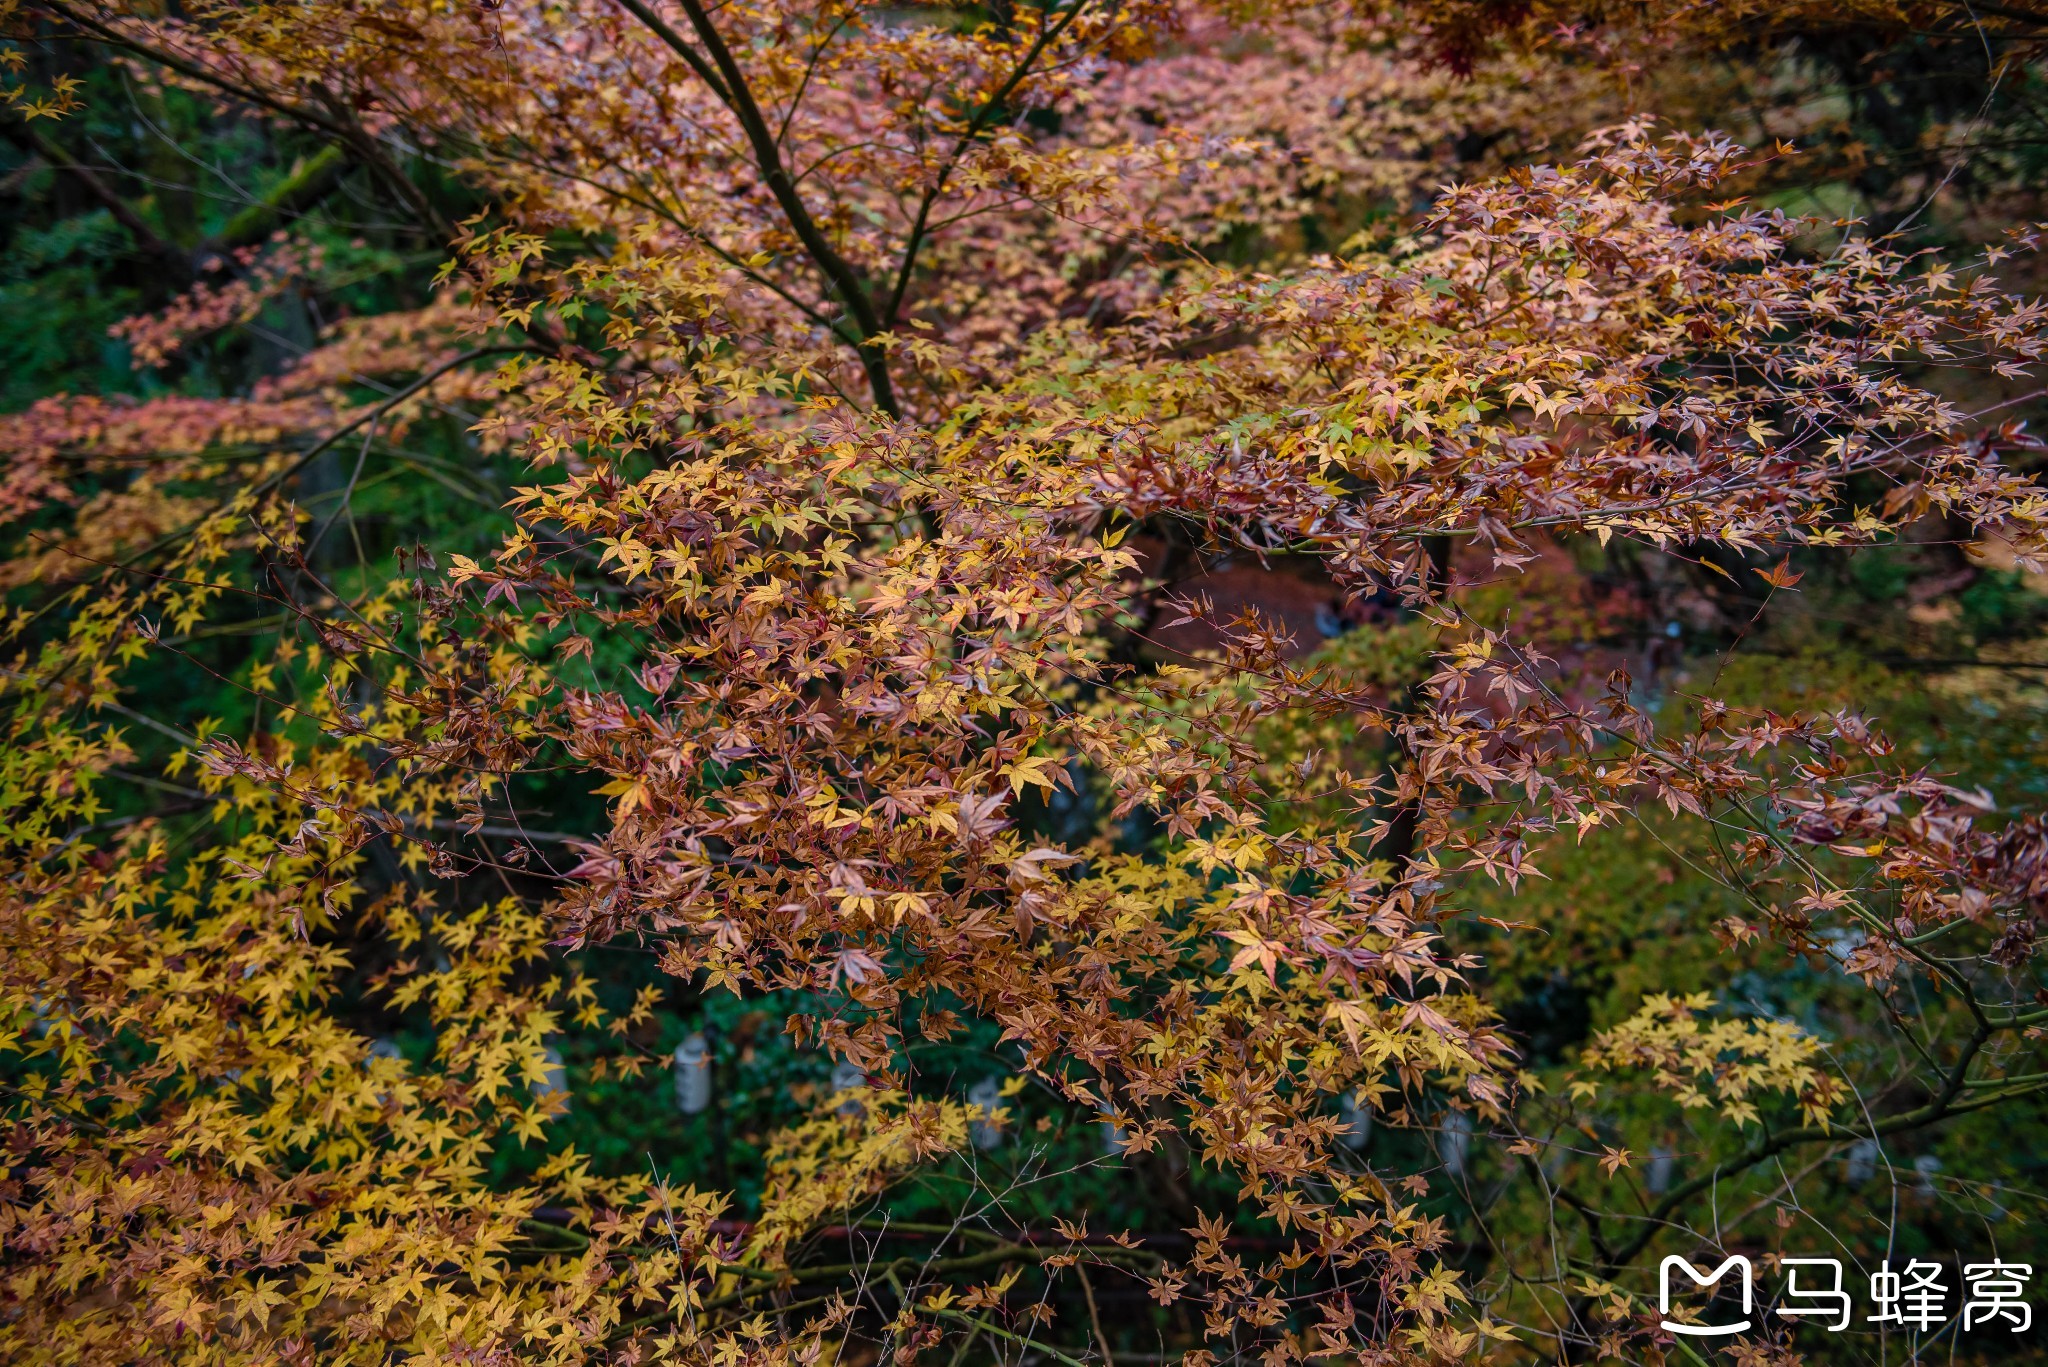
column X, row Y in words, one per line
column 893, row 394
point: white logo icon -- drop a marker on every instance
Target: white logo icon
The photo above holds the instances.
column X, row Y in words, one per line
column 1699, row 1279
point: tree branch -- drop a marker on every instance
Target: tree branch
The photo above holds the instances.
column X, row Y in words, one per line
column 1940, row 1108
column 844, row 280
column 660, row 28
column 1048, row 34
column 31, row 140
column 298, row 192
column 347, row 134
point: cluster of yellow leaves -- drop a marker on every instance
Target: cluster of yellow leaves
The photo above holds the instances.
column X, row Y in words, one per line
column 858, row 1144
column 1724, row 1062
column 206, row 1161
column 60, row 99
column 207, row 1164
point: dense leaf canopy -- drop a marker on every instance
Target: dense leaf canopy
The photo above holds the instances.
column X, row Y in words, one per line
column 1300, row 681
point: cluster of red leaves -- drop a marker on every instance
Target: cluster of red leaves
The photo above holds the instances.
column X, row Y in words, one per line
column 244, row 283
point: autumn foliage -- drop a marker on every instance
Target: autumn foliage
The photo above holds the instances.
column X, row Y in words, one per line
column 886, row 399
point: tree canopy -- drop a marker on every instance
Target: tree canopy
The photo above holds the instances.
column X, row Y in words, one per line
column 824, row 683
